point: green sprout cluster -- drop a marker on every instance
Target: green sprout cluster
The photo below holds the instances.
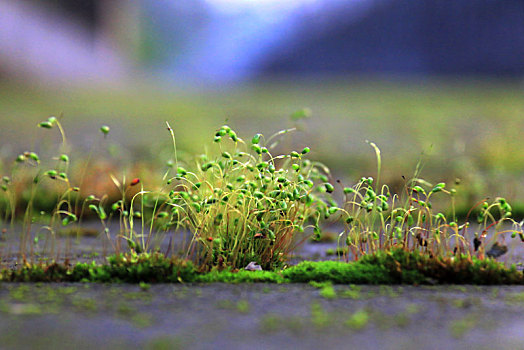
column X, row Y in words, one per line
column 244, row 202
column 376, row 220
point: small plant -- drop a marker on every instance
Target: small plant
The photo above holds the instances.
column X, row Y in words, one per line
column 376, row 220
column 246, row 204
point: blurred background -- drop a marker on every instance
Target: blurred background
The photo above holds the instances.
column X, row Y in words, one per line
column 436, row 83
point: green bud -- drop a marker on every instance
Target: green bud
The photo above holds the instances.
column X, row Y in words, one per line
column 418, row 189
column 51, row 173
column 440, row 216
column 256, row 139
column 45, row 125
column 506, row 207
column 233, row 136
column 257, row 149
column 306, row 150
column 329, row 187
column 438, row 187
column 262, row 165
column 371, row 194
column 104, row 129
column 34, row 156
column 64, row 158
column 309, row 183
column 274, row 194
column 207, row 166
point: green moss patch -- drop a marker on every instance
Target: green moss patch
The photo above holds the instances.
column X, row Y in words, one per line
column 396, row 267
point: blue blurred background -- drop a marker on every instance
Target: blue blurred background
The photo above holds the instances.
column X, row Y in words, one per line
column 236, row 40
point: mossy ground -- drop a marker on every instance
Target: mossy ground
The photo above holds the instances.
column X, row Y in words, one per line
column 396, row 267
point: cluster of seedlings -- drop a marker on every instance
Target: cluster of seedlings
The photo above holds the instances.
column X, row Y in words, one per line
column 243, row 202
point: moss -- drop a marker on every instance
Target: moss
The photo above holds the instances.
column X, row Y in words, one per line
column 270, row 323
column 358, row 320
column 459, row 328
column 395, row 267
column 319, row 317
column 129, row 268
column 352, row 293
column 337, row 272
column 326, row 289
column 243, row 306
column 241, row 276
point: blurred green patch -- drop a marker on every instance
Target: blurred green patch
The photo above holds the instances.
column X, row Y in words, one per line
column 468, row 129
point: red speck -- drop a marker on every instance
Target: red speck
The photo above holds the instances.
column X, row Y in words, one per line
column 210, row 239
column 135, row 181
column 258, row 235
